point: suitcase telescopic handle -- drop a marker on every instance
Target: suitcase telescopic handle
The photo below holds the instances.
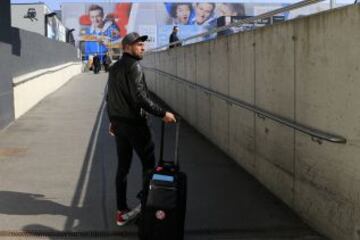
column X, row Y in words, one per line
column 177, row 133
column 176, row 161
column 161, row 160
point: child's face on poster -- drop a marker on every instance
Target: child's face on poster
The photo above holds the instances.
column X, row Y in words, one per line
column 183, row 13
column 203, row 12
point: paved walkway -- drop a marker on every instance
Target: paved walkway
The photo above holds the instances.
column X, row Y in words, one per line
column 58, row 169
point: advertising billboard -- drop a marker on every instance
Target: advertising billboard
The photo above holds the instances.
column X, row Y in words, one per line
column 99, row 27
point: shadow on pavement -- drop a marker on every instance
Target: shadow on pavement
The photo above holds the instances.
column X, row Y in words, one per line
column 18, row 203
column 92, row 209
column 223, row 200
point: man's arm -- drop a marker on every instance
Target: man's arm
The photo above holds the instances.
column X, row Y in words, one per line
column 139, row 92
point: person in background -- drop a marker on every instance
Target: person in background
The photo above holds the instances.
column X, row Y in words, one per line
column 174, row 38
column 107, row 62
column 96, row 64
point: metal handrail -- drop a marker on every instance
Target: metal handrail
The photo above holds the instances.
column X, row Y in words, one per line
column 243, row 21
column 317, row 135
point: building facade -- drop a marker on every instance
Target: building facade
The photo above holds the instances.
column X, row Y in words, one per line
column 38, row 18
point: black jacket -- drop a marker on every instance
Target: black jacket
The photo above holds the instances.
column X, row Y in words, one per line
column 127, row 94
column 174, row 38
column 96, row 60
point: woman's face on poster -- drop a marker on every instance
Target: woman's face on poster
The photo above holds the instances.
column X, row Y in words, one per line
column 183, row 13
column 203, row 12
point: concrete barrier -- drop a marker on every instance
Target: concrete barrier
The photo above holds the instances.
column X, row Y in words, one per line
column 191, row 94
column 38, row 52
column 274, row 91
column 32, row 67
column 241, row 121
column 6, row 91
column 327, row 90
column 306, row 70
column 6, row 51
column 31, row 88
column 202, row 65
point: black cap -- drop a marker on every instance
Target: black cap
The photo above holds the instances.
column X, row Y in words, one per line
column 133, row 37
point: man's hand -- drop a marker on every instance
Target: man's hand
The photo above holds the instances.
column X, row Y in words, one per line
column 169, row 118
column 111, row 130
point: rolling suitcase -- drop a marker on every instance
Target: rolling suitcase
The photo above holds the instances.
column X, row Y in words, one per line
column 163, row 203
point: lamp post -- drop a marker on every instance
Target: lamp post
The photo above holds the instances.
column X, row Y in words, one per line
column 46, row 21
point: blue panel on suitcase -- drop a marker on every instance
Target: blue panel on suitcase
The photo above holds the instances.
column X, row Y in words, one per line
column 162, row 177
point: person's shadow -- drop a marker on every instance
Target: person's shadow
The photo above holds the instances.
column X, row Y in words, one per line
column 19, row 203
column 40, row 231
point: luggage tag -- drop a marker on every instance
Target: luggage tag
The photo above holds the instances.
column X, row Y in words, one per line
column 162, row 177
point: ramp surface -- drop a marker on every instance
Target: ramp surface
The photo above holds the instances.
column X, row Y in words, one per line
column 57, row 178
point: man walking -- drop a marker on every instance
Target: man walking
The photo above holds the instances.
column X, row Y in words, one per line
column 174, row 38
column 96, row 64
column 107, row 62
column 128, row 103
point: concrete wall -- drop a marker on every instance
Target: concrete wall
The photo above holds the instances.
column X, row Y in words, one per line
column 30, row 89
column 31, row 67
column 307, row 70
column 40, row 67
column 37, row 52
column 6, row 92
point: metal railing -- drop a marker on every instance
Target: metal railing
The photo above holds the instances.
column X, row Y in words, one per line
column 242, row 21
column 317, row 135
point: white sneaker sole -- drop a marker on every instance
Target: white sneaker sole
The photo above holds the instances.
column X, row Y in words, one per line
column 128, row 217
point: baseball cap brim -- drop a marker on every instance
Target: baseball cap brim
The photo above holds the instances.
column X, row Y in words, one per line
column 142, row 38
column 132, row 38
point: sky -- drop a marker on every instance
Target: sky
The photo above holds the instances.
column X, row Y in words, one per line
column 55, row 4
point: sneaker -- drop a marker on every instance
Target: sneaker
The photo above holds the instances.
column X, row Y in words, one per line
column 125, row 216
column 121, row 217
column 137, row 210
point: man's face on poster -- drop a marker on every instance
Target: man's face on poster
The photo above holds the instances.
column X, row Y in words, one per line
column 96, row 17
column 183, row 13
column 203, row 12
